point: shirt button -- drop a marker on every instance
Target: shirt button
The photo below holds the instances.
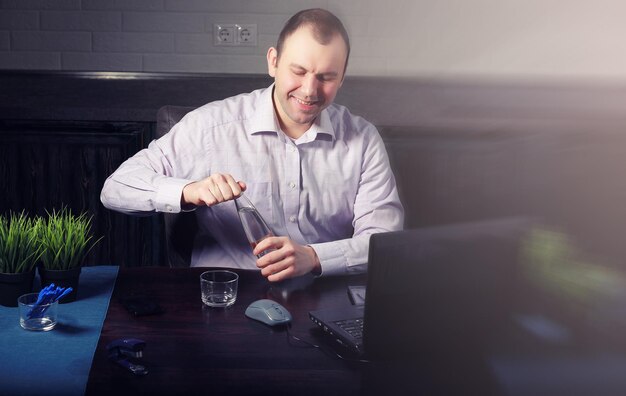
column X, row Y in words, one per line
column 292, row 149
column 168, row 208
column 293, row 218
column 292, row 185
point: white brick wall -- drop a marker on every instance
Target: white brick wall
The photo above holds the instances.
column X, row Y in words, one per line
column 50, row 41
column 40, row 4
column 287, row 7
column 203, row 63
column 423, row 38
column 123, row 5
column 19, row 20
column 132, row 42
column 31, row 60
column 90, row 61
column 138, row 35
column 90, row 21
column 171, row 22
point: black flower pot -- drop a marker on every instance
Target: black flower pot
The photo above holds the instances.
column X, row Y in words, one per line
column 14, row 285
column 61, row 278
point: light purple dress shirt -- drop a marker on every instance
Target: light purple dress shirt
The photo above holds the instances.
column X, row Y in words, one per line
column 330, row 189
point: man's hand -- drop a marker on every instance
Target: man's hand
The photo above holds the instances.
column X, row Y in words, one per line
column 215, row 189
column 286, row 259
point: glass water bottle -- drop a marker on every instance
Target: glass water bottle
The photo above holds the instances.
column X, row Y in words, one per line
column 254, row 225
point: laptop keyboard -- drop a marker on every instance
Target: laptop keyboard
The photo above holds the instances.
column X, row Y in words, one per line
column 354, row 327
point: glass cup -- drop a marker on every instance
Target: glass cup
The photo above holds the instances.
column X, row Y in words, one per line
column 35, row 317
column 254, row 225
column 219, row 288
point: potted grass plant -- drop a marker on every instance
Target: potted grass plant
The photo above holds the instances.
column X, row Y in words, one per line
column 19, row 253
column 65, row 240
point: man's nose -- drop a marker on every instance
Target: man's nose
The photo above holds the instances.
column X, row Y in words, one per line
column 309, row 85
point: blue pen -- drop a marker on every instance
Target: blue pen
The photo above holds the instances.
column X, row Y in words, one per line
column 40, row 301
column 47, row 296
column 42, row 294
column 65, row 293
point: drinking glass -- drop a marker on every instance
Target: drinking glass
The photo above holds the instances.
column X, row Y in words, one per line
column 254, row 225
column 219, row 288
column 37, row 317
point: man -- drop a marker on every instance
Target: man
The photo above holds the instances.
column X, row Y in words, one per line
column 319, row 175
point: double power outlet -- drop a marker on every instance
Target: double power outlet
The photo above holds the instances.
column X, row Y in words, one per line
column 232, row 34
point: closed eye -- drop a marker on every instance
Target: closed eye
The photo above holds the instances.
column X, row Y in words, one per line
column 327, row 77
column 298, row 71
column 322, row 77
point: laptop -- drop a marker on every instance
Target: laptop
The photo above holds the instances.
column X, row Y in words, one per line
column 431, row 289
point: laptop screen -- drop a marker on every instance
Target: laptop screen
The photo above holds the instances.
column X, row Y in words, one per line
column 440, row 288
column 512, row 297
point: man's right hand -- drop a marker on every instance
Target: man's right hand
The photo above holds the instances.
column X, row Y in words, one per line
column 213, row 190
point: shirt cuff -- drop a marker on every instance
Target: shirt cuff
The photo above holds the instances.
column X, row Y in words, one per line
column 332, row 258
column 169, row 194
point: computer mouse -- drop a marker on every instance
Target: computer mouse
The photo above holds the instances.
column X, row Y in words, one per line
column 269, row 312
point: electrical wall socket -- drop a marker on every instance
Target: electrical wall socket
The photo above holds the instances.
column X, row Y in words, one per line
column 224, row 34
column 246, row 34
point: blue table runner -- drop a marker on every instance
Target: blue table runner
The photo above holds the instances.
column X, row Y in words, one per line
column 58, row 361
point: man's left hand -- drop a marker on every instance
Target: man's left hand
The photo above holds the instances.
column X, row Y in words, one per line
column 285, row 259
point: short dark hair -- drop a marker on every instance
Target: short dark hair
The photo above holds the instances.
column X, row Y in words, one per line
column 324, row 24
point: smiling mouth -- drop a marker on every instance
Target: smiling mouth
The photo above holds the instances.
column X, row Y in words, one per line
column 304, row 102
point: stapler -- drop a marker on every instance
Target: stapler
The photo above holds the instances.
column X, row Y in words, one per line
column 125, row 352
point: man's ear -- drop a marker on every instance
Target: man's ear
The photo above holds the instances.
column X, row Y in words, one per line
column 272, row 61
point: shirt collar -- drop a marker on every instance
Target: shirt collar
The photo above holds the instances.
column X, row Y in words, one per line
column 321, row 125
column 264, row 118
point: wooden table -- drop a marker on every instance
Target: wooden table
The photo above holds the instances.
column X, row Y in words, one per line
column 194, row 349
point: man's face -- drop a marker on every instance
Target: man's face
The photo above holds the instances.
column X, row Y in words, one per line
column 307, row 77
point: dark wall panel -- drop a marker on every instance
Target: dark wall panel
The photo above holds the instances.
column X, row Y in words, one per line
column 49, row 164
